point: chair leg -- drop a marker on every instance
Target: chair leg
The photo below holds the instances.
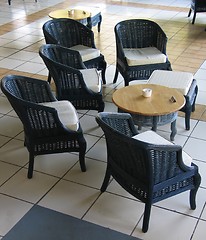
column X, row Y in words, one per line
column 82, row 152
column 193, row 192
column 99, row 23
column 9, row 2
column 193, row 20
column 146, row 218
column 31, row 166
column 106, row 180
column 49, row 78
column 189, row 12
column 187, row 118
column 116, row 75
column 103, row 73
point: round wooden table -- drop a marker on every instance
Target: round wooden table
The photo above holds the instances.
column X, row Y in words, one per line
column 159, row 109
column 75, row 14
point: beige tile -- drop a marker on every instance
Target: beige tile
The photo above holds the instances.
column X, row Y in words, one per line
column 31, row 190
column 12, row 210
column 115, row 212
column 14, row 152
column 70, row 198
column 92, row 177
column 161, row 223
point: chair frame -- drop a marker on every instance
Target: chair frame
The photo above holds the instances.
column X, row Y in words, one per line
column 150, row 173
column 83, row 36
column 43, row 131
column 64, row 66
column 126, row 37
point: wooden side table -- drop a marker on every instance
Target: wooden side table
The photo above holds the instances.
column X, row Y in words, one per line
column 156, row 110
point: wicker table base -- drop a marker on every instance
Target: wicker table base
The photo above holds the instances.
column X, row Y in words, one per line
column 154, row 121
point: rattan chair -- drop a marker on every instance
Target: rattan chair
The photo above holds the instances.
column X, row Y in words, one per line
column 44, row 132
column 197, row 6
column 147, row 171
column 70, row 33
column 137, row 35
column 67, row 70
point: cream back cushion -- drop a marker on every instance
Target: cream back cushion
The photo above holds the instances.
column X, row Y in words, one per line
column 153, row 138
column 66, row 112
column 92, row 79
column 142, row 56
column 86, row 53
column 173, row 79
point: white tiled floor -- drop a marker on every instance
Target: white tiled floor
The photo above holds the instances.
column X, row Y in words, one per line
column 58, row 182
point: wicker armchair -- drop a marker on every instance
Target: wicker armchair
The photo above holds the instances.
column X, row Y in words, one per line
column 138, row 35
column 197, row 6
column 43, row 130
column 70, row 33
column 67, row 70
column 149, row 172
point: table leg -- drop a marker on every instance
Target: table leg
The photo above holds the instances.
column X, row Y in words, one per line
column 154, row 125
column 174, row 130
column 89, row 22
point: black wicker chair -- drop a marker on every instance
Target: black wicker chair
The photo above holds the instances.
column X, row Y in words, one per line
column 197, row 6
column 65, row 67
column 149, row 172
column 133, row 34
column 43, row 130
column 69, row 33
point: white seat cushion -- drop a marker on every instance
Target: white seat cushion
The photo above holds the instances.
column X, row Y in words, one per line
column 92, row 79
column 142, row 56
column 153, row 138
column 86, row 53
column 179, row 80
column 66, row 112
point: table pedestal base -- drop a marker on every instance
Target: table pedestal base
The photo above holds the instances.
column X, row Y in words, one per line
column 154, row 121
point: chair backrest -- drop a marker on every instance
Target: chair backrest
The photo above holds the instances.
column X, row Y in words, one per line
column 68, row 33
column 140, row 33
column 24, row 94
column 63, row 65
column 127, row 158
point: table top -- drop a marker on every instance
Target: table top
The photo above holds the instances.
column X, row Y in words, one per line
column 75, row 14
column 130, row 99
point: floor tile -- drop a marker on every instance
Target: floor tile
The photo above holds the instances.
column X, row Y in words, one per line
column 70, row 198
column 115, row 212
column 199, row 231
column 12, row 210
column 160, row 226
column 92, row 177
column 31, row 190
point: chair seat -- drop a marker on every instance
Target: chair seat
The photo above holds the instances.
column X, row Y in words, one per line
column 92, row 79
column 152, row 137
column 86, row 53
column 179, row 80
column 65, row 109
column 142, row 56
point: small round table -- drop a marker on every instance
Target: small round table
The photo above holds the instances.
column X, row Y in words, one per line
column 159, row 109
column 75, row 14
